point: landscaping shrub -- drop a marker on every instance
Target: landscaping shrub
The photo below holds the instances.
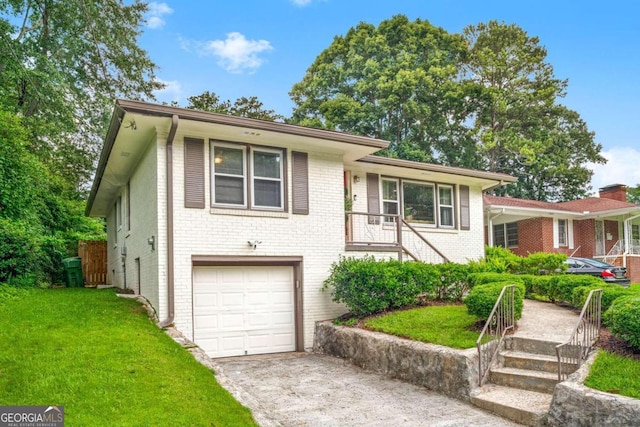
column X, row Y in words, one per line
column 422, row 276
column 610, row 293
column 482, row 298
column 543, row 263
column 367, row 286
column 453, row 284
column 20, row 249
column 561, row 286
column 501, row 260
column 623, row 319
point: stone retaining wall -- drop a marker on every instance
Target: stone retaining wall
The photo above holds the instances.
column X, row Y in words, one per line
column 441, row 369
column 575, row 405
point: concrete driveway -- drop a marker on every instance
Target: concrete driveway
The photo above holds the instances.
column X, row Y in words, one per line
column 306, row 389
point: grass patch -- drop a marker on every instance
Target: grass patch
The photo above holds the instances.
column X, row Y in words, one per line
column 448, row 325
column 103, row 359
column 615, row 374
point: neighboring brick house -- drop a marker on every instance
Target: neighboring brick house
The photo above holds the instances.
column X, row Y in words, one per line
column 605, row 227
column 229, row 226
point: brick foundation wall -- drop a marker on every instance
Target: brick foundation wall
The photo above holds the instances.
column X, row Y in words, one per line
column 633, row 268
column 530, row 237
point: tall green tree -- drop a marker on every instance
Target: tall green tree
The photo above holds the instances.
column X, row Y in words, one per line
column 519, row 126
column 633, row 194
column 396, row 81
column 250, row 107
column 62, row 64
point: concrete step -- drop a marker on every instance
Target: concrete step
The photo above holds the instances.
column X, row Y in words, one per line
column 529, row 345
column 543, row 382
column 522, row 406
column 530, row 361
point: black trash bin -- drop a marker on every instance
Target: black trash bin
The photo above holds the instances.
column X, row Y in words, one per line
column 73, row 272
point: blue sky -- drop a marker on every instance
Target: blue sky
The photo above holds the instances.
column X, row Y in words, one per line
column 262, row 47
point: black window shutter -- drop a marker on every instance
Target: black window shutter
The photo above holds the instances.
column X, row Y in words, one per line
column 373, row 197
column 300, row 184
column 194, row 173
column 465, row 214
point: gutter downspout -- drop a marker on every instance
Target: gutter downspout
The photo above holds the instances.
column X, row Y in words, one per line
column 490, row 224
column 170, row 264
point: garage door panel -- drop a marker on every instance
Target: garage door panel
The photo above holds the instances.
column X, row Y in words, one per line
column 243, row 310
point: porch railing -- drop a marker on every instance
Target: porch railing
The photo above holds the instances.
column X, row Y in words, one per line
column 390, row 232
column 501, row 320
column 574, row 352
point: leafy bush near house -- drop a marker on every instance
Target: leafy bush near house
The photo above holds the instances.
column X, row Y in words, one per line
column 501, row 260
column 368, row 286
column 482, row 298
column 623, row 319
column 560, row 287
column 543, row 263
column 610, row 293
column 453, row 284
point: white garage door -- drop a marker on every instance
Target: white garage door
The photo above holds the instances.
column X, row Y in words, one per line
column 243, row 310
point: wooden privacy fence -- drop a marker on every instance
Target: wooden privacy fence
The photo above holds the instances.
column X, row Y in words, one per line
column 94, row 262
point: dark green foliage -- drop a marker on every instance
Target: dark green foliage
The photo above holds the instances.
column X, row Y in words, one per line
column 530, row 281
column 482, row 298
column 501, row 260
column 40, row 220
column 561, row 286
column 623, row 319
column 543, row 263
column 367, row 286
column 610, row 293
column 538, row 285
column 453, row 284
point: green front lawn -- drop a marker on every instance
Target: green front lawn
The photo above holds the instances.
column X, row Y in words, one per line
column 103, row 359
column 615, row 374
column 448, row 325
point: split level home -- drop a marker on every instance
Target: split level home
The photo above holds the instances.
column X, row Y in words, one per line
column 229, row 226
column 605, row 227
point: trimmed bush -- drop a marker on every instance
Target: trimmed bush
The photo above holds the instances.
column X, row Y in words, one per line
column 482, row 298
column 367, row 286
column 561, row 286
column 623, row 319
column 543, row 263
column 453, row 284
column 421, row 276
column 610, row 293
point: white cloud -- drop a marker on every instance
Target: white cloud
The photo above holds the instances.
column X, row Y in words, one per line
column 621, row 168
column 172, row 91
column 236, row 54
column 155, row 14
column 301, row 3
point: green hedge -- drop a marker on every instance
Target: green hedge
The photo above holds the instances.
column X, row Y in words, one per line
column 367, row 286
column 533, row 284
column 623, row 319
column 560, row 288
column 482, row 298
column 610, row 293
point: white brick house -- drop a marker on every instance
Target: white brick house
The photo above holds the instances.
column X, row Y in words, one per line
column 229, row 226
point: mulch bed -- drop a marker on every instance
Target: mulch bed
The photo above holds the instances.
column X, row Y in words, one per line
column 616, row 345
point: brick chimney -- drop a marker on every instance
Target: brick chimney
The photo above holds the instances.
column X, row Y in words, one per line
column 615, row 192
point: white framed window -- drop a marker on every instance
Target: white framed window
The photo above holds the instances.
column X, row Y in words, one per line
column 563, row 235
column 229, row 175
column 445, row 201
column 267, row 179
column 238, row 171
column 390, row 201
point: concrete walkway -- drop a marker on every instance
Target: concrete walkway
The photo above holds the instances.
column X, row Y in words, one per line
column 546, row 322
column 306, row 389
